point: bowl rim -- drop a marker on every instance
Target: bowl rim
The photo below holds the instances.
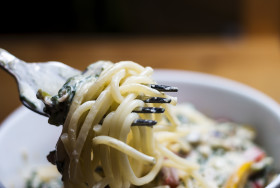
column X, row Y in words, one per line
column 18, row 113
column 190, row 77
column 221, row 83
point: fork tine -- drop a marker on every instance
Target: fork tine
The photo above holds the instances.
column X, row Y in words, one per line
column 143, row 122
column 147, row 122
column 164, row 88
column 148, row 110
column 157, row 100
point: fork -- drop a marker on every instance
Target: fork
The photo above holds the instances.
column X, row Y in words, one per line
column 51, row 76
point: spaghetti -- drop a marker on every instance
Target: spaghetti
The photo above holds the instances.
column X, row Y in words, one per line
column 98, row 146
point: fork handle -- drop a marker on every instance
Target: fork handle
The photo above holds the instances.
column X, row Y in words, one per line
column 8, row 62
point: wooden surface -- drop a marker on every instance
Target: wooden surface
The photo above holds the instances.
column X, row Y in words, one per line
column 252, row 61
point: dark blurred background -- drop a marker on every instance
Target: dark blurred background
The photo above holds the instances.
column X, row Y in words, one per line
column 133, row 17
column 140, row 17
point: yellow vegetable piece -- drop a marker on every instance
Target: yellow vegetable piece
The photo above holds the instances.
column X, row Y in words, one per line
column 238, row 179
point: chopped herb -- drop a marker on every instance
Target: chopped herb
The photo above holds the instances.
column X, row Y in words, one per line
column 57, row 106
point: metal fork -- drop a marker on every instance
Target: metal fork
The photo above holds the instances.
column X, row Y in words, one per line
column 51, row 76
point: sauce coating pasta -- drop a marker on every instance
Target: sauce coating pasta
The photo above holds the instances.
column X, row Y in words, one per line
column 98, row 146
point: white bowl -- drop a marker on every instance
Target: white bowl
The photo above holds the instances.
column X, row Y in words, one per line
column 25, row 132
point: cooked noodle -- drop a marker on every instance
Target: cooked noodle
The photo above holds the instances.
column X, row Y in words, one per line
column 98, row 145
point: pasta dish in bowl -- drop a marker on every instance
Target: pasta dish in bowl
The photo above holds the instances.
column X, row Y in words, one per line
column 100, row 147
